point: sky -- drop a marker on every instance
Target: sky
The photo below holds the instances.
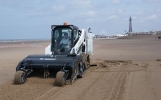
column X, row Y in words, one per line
column 32, row 19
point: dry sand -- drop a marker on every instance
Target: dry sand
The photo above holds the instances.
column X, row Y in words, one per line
column 127, row 69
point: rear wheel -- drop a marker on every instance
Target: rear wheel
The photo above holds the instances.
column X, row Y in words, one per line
column 60, row 78
column 19, row 77
column 81, row 70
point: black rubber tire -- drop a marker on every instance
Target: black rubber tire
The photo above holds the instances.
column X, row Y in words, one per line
column 81, row 71
column 60, row 79
column 19, row 77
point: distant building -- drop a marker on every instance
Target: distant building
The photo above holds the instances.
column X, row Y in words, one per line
column 100, row 36
column 119, row 35
column 131, row 33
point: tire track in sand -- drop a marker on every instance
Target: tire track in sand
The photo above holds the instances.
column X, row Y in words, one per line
column 110, row 79
column 90, row 86
column 118, row 88
column 50, row 92
column 112, row 90
column 73, row 91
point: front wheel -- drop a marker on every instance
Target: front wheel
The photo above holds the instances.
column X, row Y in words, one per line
column 19, row 77
column 60, row 78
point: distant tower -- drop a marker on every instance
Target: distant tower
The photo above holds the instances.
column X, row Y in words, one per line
column 130, row 24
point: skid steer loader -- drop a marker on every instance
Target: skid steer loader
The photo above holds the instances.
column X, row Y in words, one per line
column 70, row 57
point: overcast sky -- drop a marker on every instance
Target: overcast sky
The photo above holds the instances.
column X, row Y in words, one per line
column 32, row 19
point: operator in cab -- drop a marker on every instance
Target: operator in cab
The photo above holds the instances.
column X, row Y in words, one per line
column 65, row 39
column 65, row 43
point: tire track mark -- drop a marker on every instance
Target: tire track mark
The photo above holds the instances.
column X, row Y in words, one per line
column 115, row 80
column 111, row 79
column 52, row 91
column 90, row 86
column 118, row 87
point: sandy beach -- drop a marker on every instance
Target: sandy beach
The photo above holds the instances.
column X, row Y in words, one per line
column 127, row 69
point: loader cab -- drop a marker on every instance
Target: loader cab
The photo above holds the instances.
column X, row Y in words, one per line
column 64, row 37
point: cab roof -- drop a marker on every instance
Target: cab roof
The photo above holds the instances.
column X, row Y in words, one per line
column 70, row 26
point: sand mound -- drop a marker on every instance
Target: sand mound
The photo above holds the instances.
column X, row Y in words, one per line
column 158, row 60
column 109, row 63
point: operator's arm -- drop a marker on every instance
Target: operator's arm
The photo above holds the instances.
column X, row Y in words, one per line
column 62, row 41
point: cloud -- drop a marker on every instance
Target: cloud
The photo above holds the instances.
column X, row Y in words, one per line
column 116, row 11
column 91, row 13
column 81, row 3
column 134, row 17
column 37, row 14
column 112, row 12
column 120, row 11
column 152, row 1
column 90, row 19
column 158, row 10
column 58, row 8
column 84, row 4
column 116, row 1
column 25, row 4
column 17, row 4
column 88, row 14
column 112, row 17
column 152, row 17
column 140, row 13
column 55, row 10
